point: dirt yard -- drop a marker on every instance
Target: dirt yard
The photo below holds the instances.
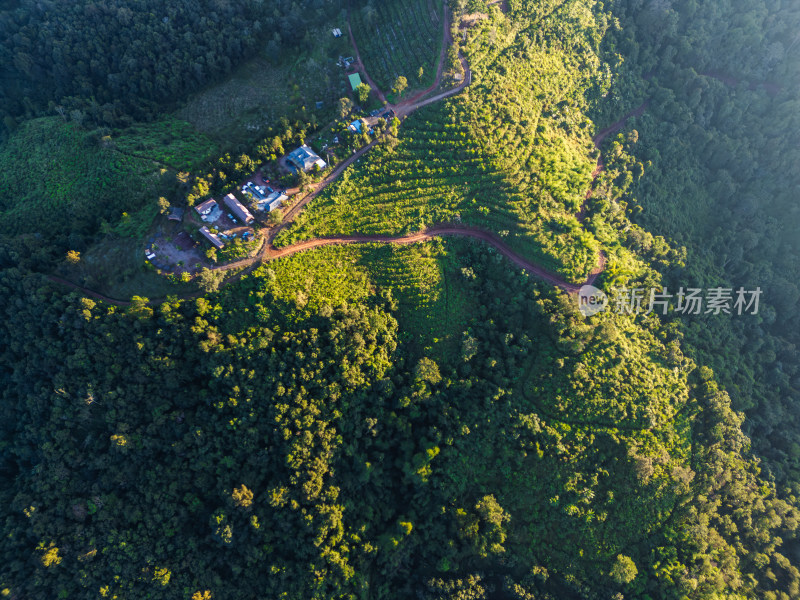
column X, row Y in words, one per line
column 175, row 250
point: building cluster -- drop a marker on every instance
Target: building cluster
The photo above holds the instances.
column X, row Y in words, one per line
column 220, row 216
column 210, row 212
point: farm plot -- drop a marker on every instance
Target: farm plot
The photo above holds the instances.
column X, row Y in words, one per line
column 403, row 37
column 265, row 89
column 423, row 279
column 168, row 141
column 439, row 172
column 429, row 310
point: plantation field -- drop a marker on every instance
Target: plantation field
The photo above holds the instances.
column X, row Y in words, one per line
column 57, row 179
column 513, row 153
column 440, row 172
column 399, row 38
column 169, row 141
column 428, row 284
column 424, row 279
column 267, row 88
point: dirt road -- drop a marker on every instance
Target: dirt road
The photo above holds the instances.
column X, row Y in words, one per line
column 269, row 252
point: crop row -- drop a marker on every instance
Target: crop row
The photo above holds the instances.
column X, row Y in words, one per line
column 398, row 38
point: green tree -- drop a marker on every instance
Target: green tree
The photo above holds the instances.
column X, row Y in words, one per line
column 362, row 92
column 400, row 84
column 344, row 107
column 275, row 217
column 624, row 570
column 209, row 280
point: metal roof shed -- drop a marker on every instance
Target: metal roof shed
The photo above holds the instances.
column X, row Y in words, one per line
column 355, row 80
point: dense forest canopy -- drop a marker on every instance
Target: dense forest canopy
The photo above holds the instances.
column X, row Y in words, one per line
column 262, row 441
column 112, row 62
column 424, row 421
column 726, row 119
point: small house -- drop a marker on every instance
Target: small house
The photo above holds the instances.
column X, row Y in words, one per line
column 212, row 237
column 238, row 209
column 175, row 214
column 209, row 210
column 275, row 201
column 304, row 158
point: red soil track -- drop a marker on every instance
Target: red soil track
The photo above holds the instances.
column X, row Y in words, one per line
column 269, row 252
column 433, row 232
column 446, row 41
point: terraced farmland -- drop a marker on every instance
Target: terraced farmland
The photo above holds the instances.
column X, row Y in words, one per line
column 398, row 38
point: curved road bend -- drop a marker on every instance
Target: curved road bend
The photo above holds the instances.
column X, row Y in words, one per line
column 270, row 253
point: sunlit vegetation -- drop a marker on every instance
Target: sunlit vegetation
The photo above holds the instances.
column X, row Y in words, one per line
column 438, row 173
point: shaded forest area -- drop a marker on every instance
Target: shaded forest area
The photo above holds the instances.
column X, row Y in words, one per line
column 719, row 145
column 114, row 62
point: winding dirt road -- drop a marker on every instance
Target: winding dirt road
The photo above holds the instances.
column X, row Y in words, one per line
column 436, row 231
column 269, row 252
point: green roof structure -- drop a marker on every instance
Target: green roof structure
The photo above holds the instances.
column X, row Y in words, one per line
column 355, row 80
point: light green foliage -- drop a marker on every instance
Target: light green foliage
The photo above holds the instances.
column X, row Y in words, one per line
column 362, row 92
column 55, row 178
column 301, row 359
column 624, row 569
